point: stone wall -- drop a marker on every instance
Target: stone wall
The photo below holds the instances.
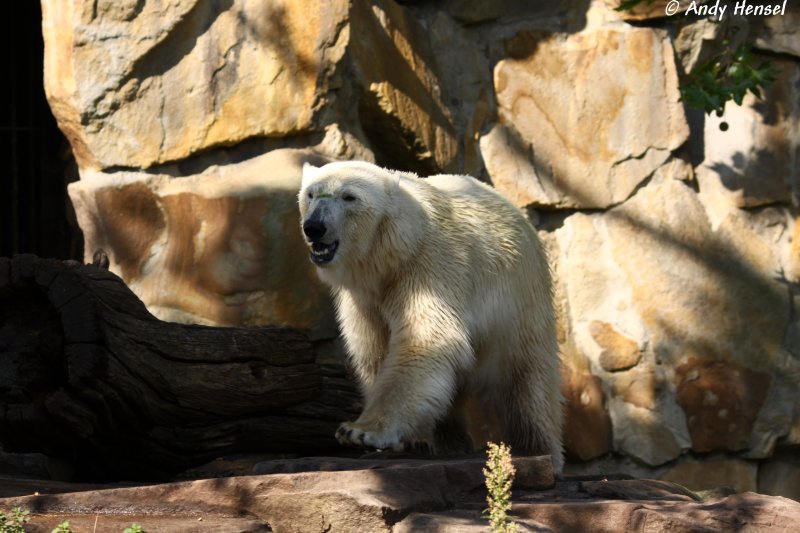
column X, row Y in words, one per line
column 674, row 243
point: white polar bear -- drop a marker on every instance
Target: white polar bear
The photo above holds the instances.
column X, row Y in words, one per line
column 443, row 292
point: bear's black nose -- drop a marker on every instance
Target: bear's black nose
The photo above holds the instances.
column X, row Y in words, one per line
column 314, row 229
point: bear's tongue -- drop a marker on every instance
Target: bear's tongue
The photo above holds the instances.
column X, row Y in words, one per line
column 323, row 252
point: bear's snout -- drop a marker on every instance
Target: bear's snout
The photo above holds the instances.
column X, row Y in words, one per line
column 314, row 229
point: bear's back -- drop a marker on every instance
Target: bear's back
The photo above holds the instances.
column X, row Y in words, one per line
column 483, row 213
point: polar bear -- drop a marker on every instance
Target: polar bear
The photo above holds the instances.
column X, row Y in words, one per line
column 443, row 292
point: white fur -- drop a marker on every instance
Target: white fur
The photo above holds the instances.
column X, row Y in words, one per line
column 442, row 289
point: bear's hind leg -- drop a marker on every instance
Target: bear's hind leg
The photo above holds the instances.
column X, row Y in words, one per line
column 451, row 436
column 532, row 418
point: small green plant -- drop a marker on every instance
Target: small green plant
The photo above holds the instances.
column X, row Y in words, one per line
column 499, row 474
column 15, row 522
column 63, row 527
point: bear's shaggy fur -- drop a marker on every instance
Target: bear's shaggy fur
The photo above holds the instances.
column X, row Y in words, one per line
column 443, row 292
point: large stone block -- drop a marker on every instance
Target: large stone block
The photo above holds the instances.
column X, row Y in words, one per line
column 134, row 83
column 583, row 118
column 643, row 433
column 220, row 247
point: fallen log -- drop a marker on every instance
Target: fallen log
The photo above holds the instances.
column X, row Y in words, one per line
column 90, row 377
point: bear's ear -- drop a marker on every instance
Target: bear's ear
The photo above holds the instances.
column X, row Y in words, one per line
column 392, row 182
column 309, row 171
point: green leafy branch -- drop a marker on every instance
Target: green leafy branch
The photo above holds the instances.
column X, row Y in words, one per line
column 728, row 76
column 15, row 522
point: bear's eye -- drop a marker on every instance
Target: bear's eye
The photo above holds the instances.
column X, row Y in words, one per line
column 347, row 197
column 310, row 195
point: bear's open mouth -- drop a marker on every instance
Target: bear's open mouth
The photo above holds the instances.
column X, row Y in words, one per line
column 322, row 252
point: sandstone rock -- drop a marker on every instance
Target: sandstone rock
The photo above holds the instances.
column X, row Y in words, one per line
column 592, row 286
column 705, row 39
column 462, row 66
column 449, row 522
column 793, row 263
column 643, row 433
column 637, row 489
column 639, row 387
column 694, row 43
column 535, row 472
column 740, row 512
column 352, row 501
column 140, row 83
column 614, row 466
column 619, row 352
column 775, row 419
column 508, row 161
column 714, row 473
column 721, row 400
column 557, row 92
column 421, row 88
column 403, row 106
column 690, row 287
column 219, row 247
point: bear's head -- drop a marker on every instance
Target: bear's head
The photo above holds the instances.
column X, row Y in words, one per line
column 341, row 207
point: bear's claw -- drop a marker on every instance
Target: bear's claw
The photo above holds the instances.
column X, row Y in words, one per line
column 349, row 434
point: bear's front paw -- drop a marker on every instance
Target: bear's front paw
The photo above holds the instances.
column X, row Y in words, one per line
column 352, row 434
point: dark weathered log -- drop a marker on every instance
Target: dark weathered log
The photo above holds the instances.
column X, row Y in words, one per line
column 89, row 376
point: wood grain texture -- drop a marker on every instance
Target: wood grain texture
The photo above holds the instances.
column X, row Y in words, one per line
column 89, row 376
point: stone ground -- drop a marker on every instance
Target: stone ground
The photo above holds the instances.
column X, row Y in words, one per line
column 389, row 495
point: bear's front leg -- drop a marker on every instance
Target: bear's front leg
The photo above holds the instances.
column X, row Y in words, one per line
column 414, row 387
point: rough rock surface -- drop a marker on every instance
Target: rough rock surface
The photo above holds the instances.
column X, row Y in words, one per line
column 594, row 127
column 137, row 83
column 396, row 496
column 219, row 247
